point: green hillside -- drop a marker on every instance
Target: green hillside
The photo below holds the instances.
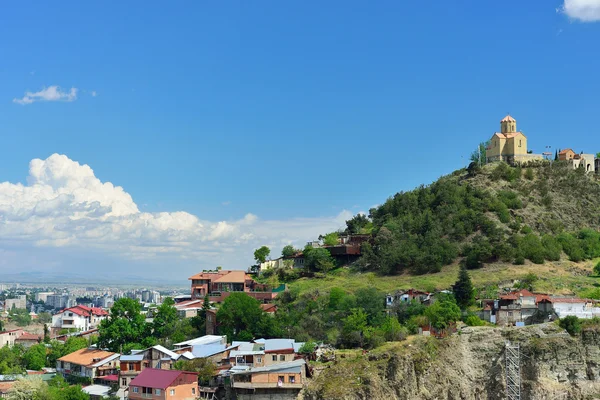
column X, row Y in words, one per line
column 480, row 216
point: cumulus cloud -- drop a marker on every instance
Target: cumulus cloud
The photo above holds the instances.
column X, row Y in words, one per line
column 582, row 10
column 51, row 93
column 63, row 205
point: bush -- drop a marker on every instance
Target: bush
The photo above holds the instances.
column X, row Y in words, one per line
column 531, row 248
column 571, row 324
column 473, row 320
column 597, row 269
column 529, row 174
column 552, row 248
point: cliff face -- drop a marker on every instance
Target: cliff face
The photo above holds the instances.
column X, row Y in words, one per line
column 468, row 366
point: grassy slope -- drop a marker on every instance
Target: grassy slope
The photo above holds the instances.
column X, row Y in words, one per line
column 562, row 277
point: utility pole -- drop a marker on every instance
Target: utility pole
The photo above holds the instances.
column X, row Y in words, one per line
column 513, row 371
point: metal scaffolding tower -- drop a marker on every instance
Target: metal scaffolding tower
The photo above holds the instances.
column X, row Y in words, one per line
column 513, row 371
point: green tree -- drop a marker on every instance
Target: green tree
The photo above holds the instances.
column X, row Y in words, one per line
column 317, row 259
column 479, row 155
column 203, row 366
column 354, row 328
column 443, row 313
column 360, row 223
column 20, row 316
column 261, row 254
column 11, row 360
column 372, row 302
column 288, row 251
column 463, row 289
column 35, row 357
column 571, row 324
column 125, row 325
column 393, row 331
column 597, row 269
column 28, row 389
column 165, row 319
column 331, row 239
column 241, row 317
column 44, row 318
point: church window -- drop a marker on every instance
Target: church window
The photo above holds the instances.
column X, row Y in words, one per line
column 519, row 142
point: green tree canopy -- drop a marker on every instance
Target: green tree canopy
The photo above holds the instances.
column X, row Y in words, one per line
column 331, row 239
column 165, row 319
column 35, row 357
column 360, row 223
column 442, row 313
column 288, row 251
column 125, row 325
column 205, row 368
column 240, row 317
column 317, row 259
column 261, row 254
column 463, row 289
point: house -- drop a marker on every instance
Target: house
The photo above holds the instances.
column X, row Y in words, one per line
column 566, row 154
column 164, row 384
column 509, row 145
column 220, row 284
column 189, row 308
column 516, row 307
column 580, row 308
column 9, row 337
column 81, row 318
column 406, row 296
column 586, row 161
column 89, row 363
column 284, row 380
column 29, row 339
column 155, row 357
column 263, row 352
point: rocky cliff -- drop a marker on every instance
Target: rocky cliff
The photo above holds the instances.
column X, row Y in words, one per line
column 468, row 365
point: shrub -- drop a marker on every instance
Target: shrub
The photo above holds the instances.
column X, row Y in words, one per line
column 532, row 249
column 552, row 248
column 571, row 324
column 473, row 320
column 597, row 269
column 529, row 174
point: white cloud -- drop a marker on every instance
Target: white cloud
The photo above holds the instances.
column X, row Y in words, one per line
column 51, row 93
column 65, row 206
column 582, row 10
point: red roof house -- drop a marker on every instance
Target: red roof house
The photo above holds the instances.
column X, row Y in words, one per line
column 164, row 384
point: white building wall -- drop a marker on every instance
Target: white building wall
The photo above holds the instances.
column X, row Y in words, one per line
column 63, row 320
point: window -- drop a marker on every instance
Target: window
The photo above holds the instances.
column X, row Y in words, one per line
column 124, row 382
column 282, row 357
column 130, row 366
column 193, row 390
column 259, row 360
column 274, row 358
column 280, row 380
column 135, row 390
column 172, row 392
column 519, row 142
column 292, row 379
column 157, row 391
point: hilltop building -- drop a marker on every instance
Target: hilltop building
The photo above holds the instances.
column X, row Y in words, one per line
column 587, row 161
column 220, row 284
column 509, row 145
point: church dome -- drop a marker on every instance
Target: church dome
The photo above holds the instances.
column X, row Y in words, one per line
column 508, row 118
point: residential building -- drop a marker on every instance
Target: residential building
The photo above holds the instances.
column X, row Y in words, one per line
column 189, row 308
column 263, row 352
column 81, row 318
column 90, row 363
column 29, row 339
column 60, row 301
column 156, row 357
column 566, row 155
column 516, row 307
column 580, row 308
column 509, row 145
column 406, row 296
column 586, row 161
column 18, row 302
column 43, row 296
column 283, row 380
column 8, row 338
column 220, row 284
column 162, row 384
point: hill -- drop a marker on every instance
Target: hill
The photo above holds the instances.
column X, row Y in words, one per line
column 479, row 216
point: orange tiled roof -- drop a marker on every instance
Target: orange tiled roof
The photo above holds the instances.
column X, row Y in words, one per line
column 30, row 336
column 565, row 151
column 223, row 276
column 508, row 118
column 86, row 356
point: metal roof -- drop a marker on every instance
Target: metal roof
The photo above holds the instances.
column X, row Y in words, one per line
column 132, row 357
column 207, row 339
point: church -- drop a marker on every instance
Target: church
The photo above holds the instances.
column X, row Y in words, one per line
column 509, row 145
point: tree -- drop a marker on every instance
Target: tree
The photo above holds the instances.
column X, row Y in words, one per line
column 203, row 366
column 125, row 325
column 317, row 259
column 20, row 316
column 571, row 324
column 240, row 317
column 372, row 302
column 479, row 155
column 164, row 321
column 354, row 327
column 35, row 357
column 463, row 289
column 28, row 389
column 1, row 326
column 331, row 239
column 360, row 223
column 288, row 251
column 442, row 313
column 11, row 360
column 261, row 254
column 597, row 269
column 44, row 318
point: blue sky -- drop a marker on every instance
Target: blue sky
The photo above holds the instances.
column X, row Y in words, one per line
column 293, row 112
